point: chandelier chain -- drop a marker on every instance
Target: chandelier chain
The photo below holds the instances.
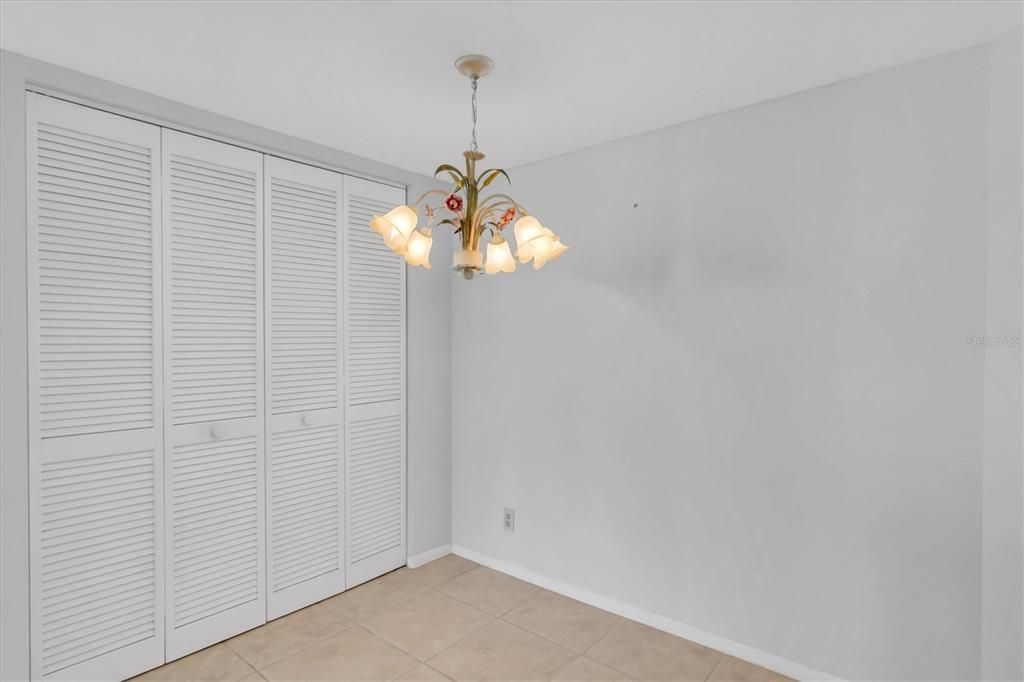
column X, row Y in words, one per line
column 473, row 144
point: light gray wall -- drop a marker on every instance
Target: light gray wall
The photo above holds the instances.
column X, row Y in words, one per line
column 1002, row 568
column 429, row 390
column 429, row 421
column 745, row 400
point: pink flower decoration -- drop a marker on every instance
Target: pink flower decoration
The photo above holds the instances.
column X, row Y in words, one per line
column 453, row 203
column 507, row 217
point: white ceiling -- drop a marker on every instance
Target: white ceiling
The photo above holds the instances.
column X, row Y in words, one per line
column 376, row 79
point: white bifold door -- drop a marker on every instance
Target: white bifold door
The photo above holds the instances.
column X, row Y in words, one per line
column 213, row 336
column 374, row 387
column 216, row 390
column 305, row 464
column 95, row 396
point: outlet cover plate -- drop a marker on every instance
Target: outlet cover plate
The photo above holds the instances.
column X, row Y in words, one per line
column 509, row 520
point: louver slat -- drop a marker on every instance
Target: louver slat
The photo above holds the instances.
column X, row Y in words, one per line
column 214, row 290
column 376, row 298
column 375, row 387
column 99, row 588
column 376, row 482
column 216, row 548
column 306, row 534
column 213, row 246
column 304, row 301
column 95, row 308
column 95, row 396
column 303, row 206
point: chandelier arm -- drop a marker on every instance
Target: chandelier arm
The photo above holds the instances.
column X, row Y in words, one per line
column 481, row 219
column 506, row 199
column 491, row 208
column 428, row 193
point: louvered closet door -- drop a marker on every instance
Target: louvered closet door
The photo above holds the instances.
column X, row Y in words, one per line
column 95, row 443
column 213, row 278
column 305, row 525
column 374, row 387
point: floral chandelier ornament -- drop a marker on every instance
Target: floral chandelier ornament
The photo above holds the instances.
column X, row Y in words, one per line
column 469, row 214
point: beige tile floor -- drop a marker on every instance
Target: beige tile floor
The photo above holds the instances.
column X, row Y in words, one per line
column 452, row 619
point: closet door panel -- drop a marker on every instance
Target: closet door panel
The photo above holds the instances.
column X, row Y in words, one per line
column 95, row 421
column 374, row 387
column 305, row 467
column 213, row 197
column 213, row 213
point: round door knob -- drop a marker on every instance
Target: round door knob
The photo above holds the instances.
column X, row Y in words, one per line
column 216, row 433
column 307, row 420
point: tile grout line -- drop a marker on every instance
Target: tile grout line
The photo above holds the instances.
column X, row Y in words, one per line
column 711, row 673
column 386, row 608
column 451, row 596
column 411, row 572
column 415, row 656
column 546, row 638
column 417, row 663
column 560, row 646
column 607, row 635
column 502, row 618
column 239, row 653
column 352, row 623
column 574, row 662
column 454, row 644
column 503, row 613
column 438, row 671
column 463, row 601
column 576, row 656
column 428, row 588
column 622, row 622
column 619, row 622
column 325, row 602
column 252, row 668
column 434, row 589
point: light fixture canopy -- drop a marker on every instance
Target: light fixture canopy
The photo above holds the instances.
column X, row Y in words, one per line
column 470, row 214
column 474, row 65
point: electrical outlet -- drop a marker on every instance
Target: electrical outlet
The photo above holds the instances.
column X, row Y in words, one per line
column 509, row 520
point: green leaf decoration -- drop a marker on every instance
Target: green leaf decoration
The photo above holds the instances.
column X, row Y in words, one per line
column 457, row 177
column 490, row 175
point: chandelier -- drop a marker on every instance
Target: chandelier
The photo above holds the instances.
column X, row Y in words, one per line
column 469, row 214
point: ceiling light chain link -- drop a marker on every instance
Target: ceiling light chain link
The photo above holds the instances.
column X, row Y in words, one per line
column 473, row 145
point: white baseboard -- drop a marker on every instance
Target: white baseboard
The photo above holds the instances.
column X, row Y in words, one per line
column 717, row 642
column 428, row 556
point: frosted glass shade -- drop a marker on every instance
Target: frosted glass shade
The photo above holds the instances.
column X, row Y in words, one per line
column 526, row 228
column 536, row 244
column 395, row 226
column 530, row 238
column 540, row 249
column 499, row 256
column 417, row 248
column 557, row 249
column 543, row 248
